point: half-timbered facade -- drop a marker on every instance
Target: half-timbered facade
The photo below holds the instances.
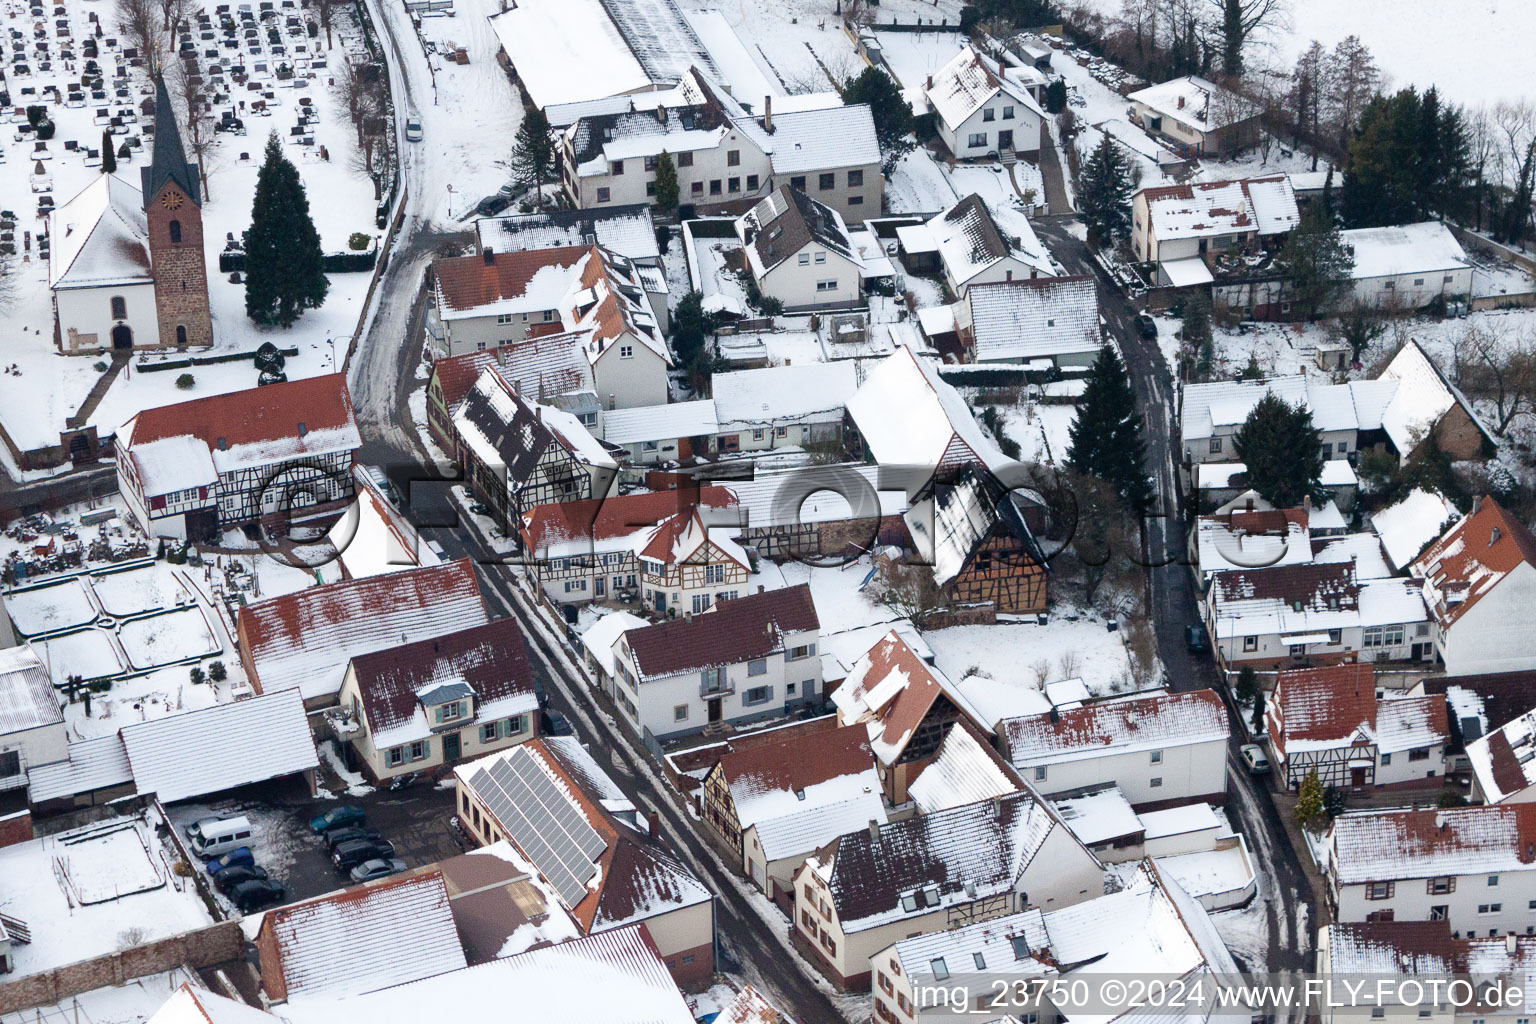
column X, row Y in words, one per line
column 195, row 468
column 517, row 454
column 549, row 370
column 685, row 567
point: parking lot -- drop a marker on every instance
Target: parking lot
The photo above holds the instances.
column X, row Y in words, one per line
column 415, row 820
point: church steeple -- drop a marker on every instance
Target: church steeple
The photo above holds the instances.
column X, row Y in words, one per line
column 169, row 163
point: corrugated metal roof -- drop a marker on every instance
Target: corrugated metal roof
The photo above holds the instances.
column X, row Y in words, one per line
column 93, row 764
column 219, row 748
column 27, row 697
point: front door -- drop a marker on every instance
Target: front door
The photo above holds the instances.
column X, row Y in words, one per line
column 122, row 337
column 599, row 586
column 1357, row 777
column 450, row 747
column 1005, row 139
column 715, row 713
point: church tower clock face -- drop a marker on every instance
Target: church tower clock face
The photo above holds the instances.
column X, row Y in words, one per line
column 171, row 200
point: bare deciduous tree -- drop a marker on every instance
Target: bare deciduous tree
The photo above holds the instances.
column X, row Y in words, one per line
column 1353, row 79
column 907, row 589
column 1141, row 652
column 190, row 91
column 1498, row 365
column 1309, row 84
column 141, row 24
column 1237, row 21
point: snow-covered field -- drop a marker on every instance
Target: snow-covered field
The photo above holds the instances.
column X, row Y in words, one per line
column 88, row 653
column 138, row 590
column 166, row 638
column 109, row 865
column 50, row 608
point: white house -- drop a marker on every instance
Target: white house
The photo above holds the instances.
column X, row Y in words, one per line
column 798, row 404
column 798, row 252
column 1407, row 266
column 1162, row 750
column 1502, row 762
column 32, row 731
column 1472, row 866
column 675, row 432
column 99, row 269
column 1173, row 223
column 1200, row 117
column 1043, row 321
column 968, row 245
column 982, row 112
column 745, row 659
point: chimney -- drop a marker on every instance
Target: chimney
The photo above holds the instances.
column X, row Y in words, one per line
column 1493, row 536
column 768, row 114
column 489, row 255
column 661, row 113
column 303, row 429
column 1477, row 503
column 653, row 821
column 1511, row 944
column 1181, row 102
column 874, row 830
column 930, row 82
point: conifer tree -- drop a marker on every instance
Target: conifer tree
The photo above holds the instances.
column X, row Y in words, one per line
column 666, row 182
column 1105, row 437
column 533, row 153
column 1309, row 801
column 284, row 267
column 108, row 153
column 1315, row 263
column 1282, row 450
column 1104, row 194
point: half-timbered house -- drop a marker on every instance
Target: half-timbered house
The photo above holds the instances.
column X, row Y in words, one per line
column 549, row 370
column 973, row 531
column 907, row 707
column 592, row 550
column 193, row 469
column 518, row 454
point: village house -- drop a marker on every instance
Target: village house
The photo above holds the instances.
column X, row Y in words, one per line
column 1151, row 925
column 308, row 638
column 194, row 469
column 907, row 708
column 548, row 370
column 1218, row 484
column 412, row 708
column 1040, row 323
column 1409, row 526
column 652, row 434
column 1200, row 118
column 744, row 660
column 297, row 944
column 1243, row 538
column 655, row 547
column 774, row 804
column 1331, row 721
column 972, row 530
column 126, row 265
column 818, row 510
column 982, row 111
column 1175, row 227
column 1501, row 761
column 796, row 405
column 967, row 246
column 373, row 537
column 1426, row 411
column 603, row 859
column 966, row 769
column 1162, row 750
column 629, row 231
column 1407, row 266
column 1315, row 614
column 1472, row 866
column 927, row 874
column 517, row 454
column 32, row 730
column 1479, row 581
column 798, row 252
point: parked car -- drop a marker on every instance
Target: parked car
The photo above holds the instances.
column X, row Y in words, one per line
column 256, row 893
column 215, row 835
column 349, row 855
column 1254, row 758
column 234, row 858
column 1194, row 639
column 413, row 127
column 336, row 817
column 553, row 723
column 1146, row 325
column 227, row 879
column 381, row 867
column 336, row 836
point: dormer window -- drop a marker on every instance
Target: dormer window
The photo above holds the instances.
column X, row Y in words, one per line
column 451, row 712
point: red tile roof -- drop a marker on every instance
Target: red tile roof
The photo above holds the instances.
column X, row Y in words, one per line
column 1115, row 725
column 465, row 282
column 898, row 715
column 1325, row 703
column 736, row 631
column 1313, row 585
column 1473, row 557
column 619, row 516
column 800, row 761
column 541, row 367
column 252, row 416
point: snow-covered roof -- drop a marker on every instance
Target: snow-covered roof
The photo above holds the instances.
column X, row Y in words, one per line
column 730, row 633
column 970, row 240
column 1048, row 316
column 27, row 697
column 1428, row 247
column 749, row 1006
column 778, row 395
column 801, row 772
column 565, row 51
column 100, row 237
column 1274, row 204
column 627, row 230
column 1364, row 549
column 1194, row 101
column 1407, row 527
column 1012, row 945
column 1258, row 539
column 306, row 638
column 907, row 415
column 174, row 464
column 599, row 638
column 1473, row 557
column 1422, row 397
column 362, row 939
column 967, row 82
column 813, row 494
column 1115, row 727
column 98, row 763
column 1336, row 706
column 213, row 749
column 810, row 141
column 1504, row 760
column 802, row 832
column 1263, row 602
column 891, row 691
column 190, row 1004
column 510, row 434
column 953, row 520
column 1221, row 406
column 614, row 976
column 1370, row 846
column 964, row 770
column 1099, row 816
column 661, row 422
column 1206, row 209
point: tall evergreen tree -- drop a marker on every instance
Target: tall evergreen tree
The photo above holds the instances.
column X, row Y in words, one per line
column 1105, row 438
column 1315, row 263
column 1409, row 161
column 284, row 267
column 890, row 110
column 108, row 153
column 533, row 153
column 1282, row 450
column 1104, row 193
column 666, row 183
column 1056, row 96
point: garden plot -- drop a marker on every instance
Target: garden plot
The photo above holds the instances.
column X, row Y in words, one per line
column 147, row 589
column 108, row 865
column 1014, row 656
column 87, row 653
column 139, row 698
column 51, row 608
column 167, row 638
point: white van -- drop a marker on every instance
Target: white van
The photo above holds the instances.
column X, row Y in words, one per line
column 214, row 837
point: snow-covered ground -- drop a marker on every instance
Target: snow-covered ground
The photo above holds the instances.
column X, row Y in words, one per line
column 1003, row 660
column 1040, row 430
column 917, row 184
column 840, row 604
column 88, row 653
column 167, row 638
column 133, row 1002
column 52, row 607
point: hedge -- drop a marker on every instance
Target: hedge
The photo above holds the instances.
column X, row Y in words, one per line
column 225, row 357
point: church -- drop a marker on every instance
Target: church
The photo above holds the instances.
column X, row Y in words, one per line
column 126, row 265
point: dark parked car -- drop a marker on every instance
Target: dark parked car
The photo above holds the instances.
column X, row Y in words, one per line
column 336, row 817
column 382, row 867
column 349, row 855
column 336, row 836
column 1194, row 639
column 240, row 857
column 553, row 723
column 227, row 879
column 256, row 893
column 1146, row 325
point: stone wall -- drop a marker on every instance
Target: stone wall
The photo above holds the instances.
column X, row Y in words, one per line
column 15, row 828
